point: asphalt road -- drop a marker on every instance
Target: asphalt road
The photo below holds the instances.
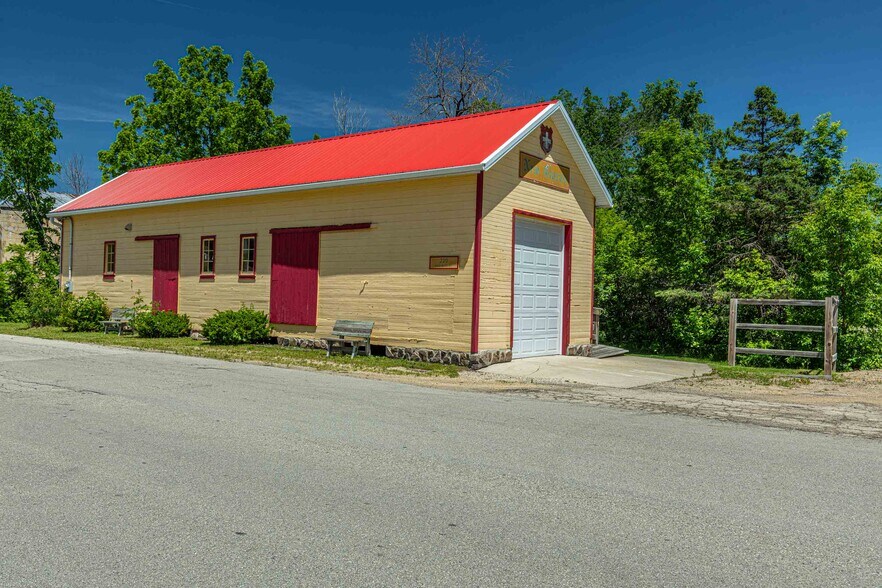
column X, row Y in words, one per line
column 128, row 468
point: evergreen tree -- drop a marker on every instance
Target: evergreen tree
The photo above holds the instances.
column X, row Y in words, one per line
column 763, row 190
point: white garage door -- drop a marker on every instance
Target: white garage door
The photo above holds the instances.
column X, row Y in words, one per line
column 538, row 284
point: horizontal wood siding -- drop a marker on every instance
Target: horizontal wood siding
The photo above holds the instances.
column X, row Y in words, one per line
column 380, row 274
column 505, row 192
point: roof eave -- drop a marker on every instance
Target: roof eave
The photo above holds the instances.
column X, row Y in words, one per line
column 431, row 173
column 605, row 199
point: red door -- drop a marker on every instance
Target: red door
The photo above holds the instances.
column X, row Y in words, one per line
column 165, row 273
column 294, row 283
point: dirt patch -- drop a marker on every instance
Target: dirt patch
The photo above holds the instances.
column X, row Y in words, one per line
column 851, row 406
column 854, row 388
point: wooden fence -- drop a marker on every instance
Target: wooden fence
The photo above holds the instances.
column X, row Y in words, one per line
column 830, row 329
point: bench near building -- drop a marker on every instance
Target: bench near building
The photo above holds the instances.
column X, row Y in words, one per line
column 466, row 240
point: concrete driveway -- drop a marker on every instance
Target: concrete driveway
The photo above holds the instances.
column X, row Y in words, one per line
column 626, row 371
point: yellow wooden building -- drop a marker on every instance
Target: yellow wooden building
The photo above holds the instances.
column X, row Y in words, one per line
column 466, row 240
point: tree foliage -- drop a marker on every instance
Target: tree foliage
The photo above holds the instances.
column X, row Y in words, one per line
column 762, row 184
column 194, row 113
column 28, row 132
column 839, row 245
column 760, row 209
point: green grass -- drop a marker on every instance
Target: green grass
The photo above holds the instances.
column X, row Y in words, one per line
column 267, row 354
column 760, row 375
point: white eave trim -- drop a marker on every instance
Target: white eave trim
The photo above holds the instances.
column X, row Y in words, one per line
column 520, row 135
column 580, row 154
column 53, row 212
column 431, row 173
column 587, row 167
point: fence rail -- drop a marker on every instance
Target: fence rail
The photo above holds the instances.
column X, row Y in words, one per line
column 830, row 329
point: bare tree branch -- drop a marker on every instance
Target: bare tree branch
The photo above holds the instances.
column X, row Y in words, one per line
column 455, row 78
column 349, row 117
column 74, row 174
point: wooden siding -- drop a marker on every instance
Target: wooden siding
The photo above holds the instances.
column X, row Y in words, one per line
column 505, row 192
column 380, row 274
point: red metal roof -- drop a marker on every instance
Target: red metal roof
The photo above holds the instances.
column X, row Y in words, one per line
column 436, row 145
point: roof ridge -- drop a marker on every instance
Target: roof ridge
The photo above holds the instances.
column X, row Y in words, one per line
column 340, row 137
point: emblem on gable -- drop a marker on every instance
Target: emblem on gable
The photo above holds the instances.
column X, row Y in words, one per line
column 545, row 139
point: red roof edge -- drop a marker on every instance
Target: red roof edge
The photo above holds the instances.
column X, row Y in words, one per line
column 338, row 137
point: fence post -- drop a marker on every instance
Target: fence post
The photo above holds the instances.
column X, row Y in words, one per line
column 828, row 337
column 733, row 321
column 835, row 331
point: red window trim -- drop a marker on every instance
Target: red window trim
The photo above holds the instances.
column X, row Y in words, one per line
column 109, row 276
column 253, row 274
column 202, row 239
column 568, row 274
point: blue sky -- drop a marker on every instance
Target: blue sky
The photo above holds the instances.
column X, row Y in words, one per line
column 88, row 56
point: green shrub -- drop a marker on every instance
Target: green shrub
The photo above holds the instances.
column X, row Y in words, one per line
column 43, row 306
column 161, row 323
column 29, row 285
column 234, row 327
column 85, row 313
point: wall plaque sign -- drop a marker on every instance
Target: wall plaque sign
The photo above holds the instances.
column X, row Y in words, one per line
column 539, row 171
column 444, row 262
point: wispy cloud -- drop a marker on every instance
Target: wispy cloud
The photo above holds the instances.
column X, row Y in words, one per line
column 307, row 108
column 82, row 113
column 179, row 4
column 92, row 105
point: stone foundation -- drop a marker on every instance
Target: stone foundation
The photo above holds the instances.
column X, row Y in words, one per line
column 473, row 361
column 580, row 349
column 305, row 342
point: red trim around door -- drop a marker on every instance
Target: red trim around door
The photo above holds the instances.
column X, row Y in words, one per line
column 294, row 278
column 593, row 270
column 166, row 273
column 568, row 274
column 476, row 264
column 323, row 228
column 154, row 237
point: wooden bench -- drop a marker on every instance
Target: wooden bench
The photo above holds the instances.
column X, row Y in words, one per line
column 120, row 319
column 353, row 333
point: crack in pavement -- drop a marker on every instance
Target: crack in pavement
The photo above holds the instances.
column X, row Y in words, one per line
column 7, row 384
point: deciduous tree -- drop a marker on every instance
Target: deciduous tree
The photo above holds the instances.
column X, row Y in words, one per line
column 28, row 132
column 75, row 176
column 348, row 116
column 839, row 247
column 455, row 77
column 193, row 113
column 823, row 151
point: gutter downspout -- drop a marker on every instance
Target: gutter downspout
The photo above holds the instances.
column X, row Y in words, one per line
column 69, row 284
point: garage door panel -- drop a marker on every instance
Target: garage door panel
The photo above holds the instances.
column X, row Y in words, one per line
column 537, row 288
